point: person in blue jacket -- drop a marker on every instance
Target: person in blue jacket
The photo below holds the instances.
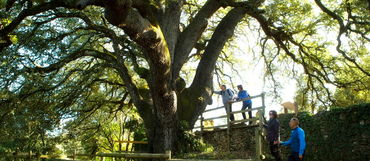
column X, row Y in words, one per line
column 242, row 94
column 296, row 141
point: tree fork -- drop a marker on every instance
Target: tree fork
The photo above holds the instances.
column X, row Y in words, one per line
column 201, row 88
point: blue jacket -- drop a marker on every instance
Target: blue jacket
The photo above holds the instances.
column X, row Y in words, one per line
column 243, row 94
column 296, row 141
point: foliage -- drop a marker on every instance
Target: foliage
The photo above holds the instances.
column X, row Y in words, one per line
column 188, row 142
column 349, row 96
column 101, row 131
column 31, row 124
column 326, row 47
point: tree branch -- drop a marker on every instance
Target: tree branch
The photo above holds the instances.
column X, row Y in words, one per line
column 144, row 108
column 342, row 29
column 201, row 87
column 169, row 22
column 189, row 37
column 28, row 12
column 224, row 31
column 71, row 57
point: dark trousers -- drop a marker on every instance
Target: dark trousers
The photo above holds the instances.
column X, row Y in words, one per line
column 228, row 108
column 249, row 112
column 274, row 149
column 294, row 156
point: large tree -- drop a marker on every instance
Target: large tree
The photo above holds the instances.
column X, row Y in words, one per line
column 153, row 39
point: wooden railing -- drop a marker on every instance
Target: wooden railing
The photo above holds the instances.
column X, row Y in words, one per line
column 260, row 109
column 258, row 122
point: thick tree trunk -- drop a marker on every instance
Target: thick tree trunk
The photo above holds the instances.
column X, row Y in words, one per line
column 166, row 122
column 156, row 50
column 159, row 111
column 163, row 48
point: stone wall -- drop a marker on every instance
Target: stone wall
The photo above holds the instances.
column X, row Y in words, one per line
column 242, row 142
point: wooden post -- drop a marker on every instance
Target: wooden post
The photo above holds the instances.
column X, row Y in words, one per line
column 258, row 136
column 262, row 121
column 201, row 123
column 30, row 154
column 169, row 154
column 74, row 154
column 258, row 144
column 263, row 103
column 228, row 126
column 16, row 156
column 119, row 145
column 227, row 117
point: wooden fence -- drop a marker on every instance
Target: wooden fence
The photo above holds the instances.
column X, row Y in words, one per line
column 258, row 122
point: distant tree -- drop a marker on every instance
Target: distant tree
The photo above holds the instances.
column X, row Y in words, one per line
column 28, row 126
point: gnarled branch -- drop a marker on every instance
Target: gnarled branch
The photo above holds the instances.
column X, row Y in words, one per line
column 189, row 37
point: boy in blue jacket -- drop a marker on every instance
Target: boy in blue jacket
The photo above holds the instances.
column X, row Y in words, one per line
column 296, row 141
column 242, row 94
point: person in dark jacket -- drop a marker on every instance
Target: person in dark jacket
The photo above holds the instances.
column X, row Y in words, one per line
column 297, row 141
column 273, row 126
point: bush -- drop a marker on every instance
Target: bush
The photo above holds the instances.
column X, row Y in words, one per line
column 188, row 142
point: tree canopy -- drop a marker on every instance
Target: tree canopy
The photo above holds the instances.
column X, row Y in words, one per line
column 74, row 58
